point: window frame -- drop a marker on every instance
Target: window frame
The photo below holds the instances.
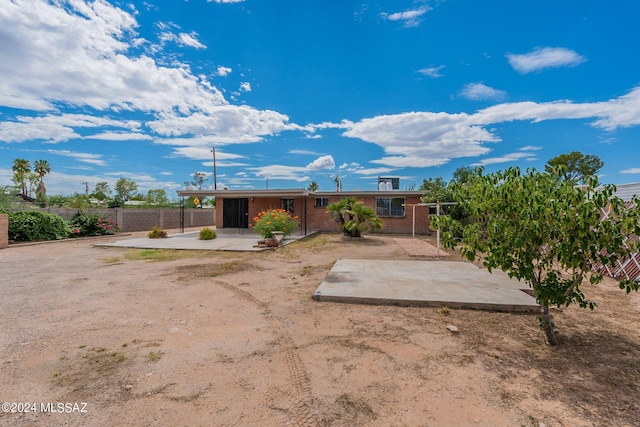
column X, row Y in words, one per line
column 387, row 210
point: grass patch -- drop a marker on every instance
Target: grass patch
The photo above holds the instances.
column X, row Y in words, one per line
column 156, row 255
column 154, row 356
column 213, row 270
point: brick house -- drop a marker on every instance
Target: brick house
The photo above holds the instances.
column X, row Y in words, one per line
column 235, row 209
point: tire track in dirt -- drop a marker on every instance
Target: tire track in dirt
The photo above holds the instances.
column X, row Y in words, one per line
column 300, row 397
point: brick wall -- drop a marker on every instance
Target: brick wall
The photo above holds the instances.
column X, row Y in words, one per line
column 317, row 218
column 4, row 230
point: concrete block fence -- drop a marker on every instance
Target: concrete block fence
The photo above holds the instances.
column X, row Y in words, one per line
column 144, row 219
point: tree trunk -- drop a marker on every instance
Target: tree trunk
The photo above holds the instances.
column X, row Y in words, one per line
column 547, row 324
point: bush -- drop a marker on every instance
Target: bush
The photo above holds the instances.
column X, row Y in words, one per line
column 207, row 234
column 157, row 233
column 83, row 224
column 29, row 226
column 268, row 222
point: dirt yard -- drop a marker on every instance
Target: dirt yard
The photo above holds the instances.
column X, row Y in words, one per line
column 181, row 338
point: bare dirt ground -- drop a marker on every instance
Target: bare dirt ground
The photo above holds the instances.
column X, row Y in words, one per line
column 181, row 338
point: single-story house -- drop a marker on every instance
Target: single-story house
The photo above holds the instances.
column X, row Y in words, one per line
column 235, row 209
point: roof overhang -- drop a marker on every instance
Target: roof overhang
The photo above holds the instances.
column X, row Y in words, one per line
column 295, row 193
column 243, row 193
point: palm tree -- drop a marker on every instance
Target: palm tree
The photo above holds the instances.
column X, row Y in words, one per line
column 313, row 186
column 41, row 167
column 21, row 169
column 354, row 217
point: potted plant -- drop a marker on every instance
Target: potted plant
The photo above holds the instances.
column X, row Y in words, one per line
column 274, row 222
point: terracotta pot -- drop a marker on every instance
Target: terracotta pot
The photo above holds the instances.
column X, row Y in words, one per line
column 272, row 242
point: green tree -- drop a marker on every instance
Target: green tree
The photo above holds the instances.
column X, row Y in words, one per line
column 313, row 186
column 21, row 169
column 435, row 190
column 198, row 183
column 575, row 166
column 354, row 217
column 462, row 174
column 125, row 189
column 41, row 167
column 102, row 191
column 545, row 231
column 157, row 197
column 33, row 181
column 7, row 193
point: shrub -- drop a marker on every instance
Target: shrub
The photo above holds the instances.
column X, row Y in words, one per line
column 29, row 226
column 207, row 234
column 354, row 217
column 266, row 222
column 157, row 233
column 83, row 224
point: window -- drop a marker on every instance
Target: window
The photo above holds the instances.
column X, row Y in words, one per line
column 287, row 205
column 390, row 206
column 321, row 202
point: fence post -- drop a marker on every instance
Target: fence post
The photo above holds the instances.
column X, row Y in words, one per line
column 4, row 231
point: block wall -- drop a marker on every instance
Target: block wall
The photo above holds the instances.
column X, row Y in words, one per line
column 129, row 220
column 4, row 230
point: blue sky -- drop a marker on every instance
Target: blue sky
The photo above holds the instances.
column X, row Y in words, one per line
column 295, row 91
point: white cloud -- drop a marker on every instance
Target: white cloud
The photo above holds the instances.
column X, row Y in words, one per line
column 309, row 152
column 350, row 166
column 190, row 39
column 507, row 158
column 94, row 159
column 531, row 148
column 293, row 173
column 373, row 171
column 480, row 92
column 631, row 171
column 92, row 67
column 544, row 57
column 120, row 136
column 54, row 129
column 421, row 139
column 225, row 1
column 433, row 72
column 323, row 162
column 224, row 124
column 245, row 87
column 223, row 71
column 204, row 153
column 409, row 18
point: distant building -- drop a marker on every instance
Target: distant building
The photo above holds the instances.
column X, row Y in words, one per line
column 627, row 191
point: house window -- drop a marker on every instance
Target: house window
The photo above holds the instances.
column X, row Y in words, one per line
column 321, row 202
column 287, row 205
column 390, row 206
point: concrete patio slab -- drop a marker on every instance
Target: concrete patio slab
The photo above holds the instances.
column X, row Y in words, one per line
column 224, row 242
column 423, row 283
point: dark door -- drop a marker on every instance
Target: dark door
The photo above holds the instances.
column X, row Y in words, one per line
column 235, row 213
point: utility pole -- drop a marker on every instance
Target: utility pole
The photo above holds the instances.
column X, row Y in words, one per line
column 215, row 179
column 86, row 188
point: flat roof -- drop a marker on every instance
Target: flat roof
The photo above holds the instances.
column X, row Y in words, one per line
column 293, row 193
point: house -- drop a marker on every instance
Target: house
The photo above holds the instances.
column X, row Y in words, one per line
column 627, row 191
column 235, row 209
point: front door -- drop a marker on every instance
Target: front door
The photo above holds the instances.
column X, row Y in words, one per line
column 235, row 213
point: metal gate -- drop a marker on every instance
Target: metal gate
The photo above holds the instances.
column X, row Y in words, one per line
column 235, row 213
